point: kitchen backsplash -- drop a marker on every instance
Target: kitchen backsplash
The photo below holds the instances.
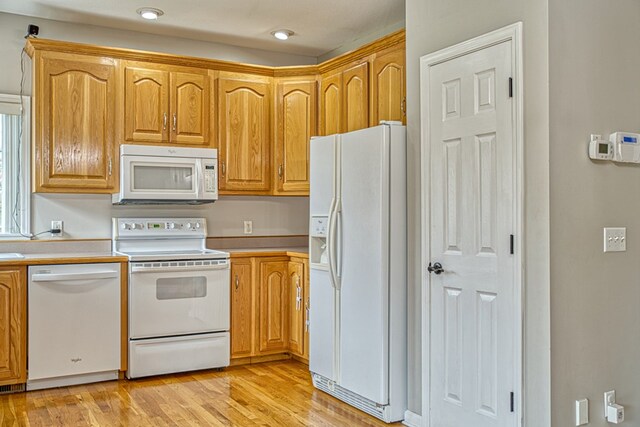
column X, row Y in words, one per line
column 88, row 216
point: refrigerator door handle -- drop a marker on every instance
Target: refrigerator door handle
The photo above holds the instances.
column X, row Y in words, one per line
column 333, row 248
column 330, row 242
column 337, row 248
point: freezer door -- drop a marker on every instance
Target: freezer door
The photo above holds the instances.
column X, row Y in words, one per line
column 363, row 259
column 322, row 180
column 322, row 325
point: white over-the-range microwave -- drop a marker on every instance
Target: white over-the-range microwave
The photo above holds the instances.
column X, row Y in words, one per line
column 167, row 175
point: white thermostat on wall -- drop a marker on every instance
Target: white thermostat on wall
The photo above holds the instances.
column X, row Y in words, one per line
column 626, row 147
column 600, row 149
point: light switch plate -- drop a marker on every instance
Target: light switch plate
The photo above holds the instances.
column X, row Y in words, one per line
column 615, row 239
column 248, row 227
column 582, row 412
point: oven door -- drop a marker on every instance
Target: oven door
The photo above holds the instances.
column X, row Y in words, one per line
column 153, row 178
column 168, row 298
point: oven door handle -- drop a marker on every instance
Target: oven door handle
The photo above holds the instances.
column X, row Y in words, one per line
column 168, row 269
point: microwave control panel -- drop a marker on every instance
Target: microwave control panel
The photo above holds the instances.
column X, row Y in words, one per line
column 210, row 178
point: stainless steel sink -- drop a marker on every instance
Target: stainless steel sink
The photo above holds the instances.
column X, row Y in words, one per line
column 10, row 255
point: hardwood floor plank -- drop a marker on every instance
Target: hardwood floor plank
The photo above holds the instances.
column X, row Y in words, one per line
column 273, row 394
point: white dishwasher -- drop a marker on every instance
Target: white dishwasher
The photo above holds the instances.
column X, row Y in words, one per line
column 74, row 324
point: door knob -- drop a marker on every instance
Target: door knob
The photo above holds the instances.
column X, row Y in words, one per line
column 435, row 268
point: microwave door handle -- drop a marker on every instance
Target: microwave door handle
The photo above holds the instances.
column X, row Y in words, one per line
column 199, row 179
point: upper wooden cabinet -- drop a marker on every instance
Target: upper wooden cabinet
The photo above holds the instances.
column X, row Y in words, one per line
column 74, row 138
column 260, row 118
column 344, row 99
column 13, row 325
column 388, row 86
column 355, row 81
column 295, row 125
column 244, row 141
column 164, row 104
column 331, row 104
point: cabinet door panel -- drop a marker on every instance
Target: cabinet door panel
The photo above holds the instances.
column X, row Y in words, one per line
column 331, row 104
column 244, row 141
column 356, row 97
column 146, row 95
column 190, row 108
column 296, row 124
column 13, row 326
column 75, row 122
column 241, row 308
column 388, row 86
column 296, row 307
column 273, row 313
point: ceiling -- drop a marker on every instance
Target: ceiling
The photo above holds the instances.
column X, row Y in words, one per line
column 319, row 25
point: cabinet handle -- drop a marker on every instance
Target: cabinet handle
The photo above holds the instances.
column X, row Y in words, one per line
column 306, row 315
column 223, row 168
column 237, row 282
column 298, row 296
column 175, row 121
column 164, row 122
column 280, row 172
column 403, row 105
column 110, row 167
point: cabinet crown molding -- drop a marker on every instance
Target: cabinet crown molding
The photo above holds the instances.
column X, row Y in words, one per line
column 33, row 45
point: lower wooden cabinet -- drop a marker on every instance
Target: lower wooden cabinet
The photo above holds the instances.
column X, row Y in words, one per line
column 13, row 325
column 269, row 307
column 241, row 308
column 273, row 327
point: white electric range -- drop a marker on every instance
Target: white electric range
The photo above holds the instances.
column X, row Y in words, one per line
column 178, row 295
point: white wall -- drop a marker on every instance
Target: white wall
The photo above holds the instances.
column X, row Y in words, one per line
column 433, row 25
column 14, row 27
column 89, row 216
column 594, row 60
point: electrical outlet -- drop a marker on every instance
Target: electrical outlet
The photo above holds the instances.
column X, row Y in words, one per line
column 57, row 225
column 615, row 239
column 248, row 227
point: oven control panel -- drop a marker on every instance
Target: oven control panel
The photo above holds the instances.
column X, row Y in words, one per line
column 133, row 227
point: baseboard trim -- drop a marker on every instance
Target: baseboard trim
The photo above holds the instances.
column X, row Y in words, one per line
column 412, row 419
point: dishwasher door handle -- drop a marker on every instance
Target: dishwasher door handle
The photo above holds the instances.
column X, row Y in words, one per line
column 59, row 277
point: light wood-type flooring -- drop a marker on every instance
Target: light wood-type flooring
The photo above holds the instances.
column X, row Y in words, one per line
column 268, row 394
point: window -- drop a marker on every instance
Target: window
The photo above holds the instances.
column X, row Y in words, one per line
column 14, row 164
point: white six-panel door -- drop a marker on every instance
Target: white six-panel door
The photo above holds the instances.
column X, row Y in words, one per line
column 472, row 205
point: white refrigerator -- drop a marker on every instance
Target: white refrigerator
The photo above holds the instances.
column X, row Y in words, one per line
column 358, row 278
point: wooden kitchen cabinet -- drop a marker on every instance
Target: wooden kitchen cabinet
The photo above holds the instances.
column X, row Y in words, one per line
column 75, row 115
column 331, row 104
column 165, row 104
column 273, row 325
column 388, row 86
column 295, row 121
column 307, row 309
column 344, row 99
column 356, row 97
column 13, row 325
column 244, row 130
column 296, row 278
column 242, row 312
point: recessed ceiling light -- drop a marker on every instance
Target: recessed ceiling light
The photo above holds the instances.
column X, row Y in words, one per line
column 150, row 13
column 282, row 34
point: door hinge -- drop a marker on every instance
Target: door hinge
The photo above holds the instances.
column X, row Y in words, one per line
column 511, row 244
column 512, row 401
column 510, row 87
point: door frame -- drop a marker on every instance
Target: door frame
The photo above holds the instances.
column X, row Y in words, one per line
column 511, row 33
